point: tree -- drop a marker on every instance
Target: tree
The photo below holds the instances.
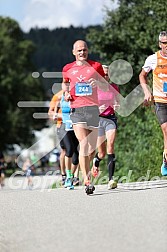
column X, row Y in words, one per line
column 130, row 32
column 54, row 50
column 16, row 84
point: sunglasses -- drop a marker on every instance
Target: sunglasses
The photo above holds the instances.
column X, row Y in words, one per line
column 163, row 33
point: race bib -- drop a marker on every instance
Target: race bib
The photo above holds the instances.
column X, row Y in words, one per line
column 165, row 87
column 83, row 89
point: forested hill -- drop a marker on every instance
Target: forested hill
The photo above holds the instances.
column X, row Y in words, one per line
column 54, row 47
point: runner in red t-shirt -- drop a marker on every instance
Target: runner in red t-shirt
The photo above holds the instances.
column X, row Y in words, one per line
column 80, row 81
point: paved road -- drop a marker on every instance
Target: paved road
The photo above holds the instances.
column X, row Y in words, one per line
column 131, row 218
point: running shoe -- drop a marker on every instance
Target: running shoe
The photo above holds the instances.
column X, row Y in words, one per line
column 164, row 168
column 89, row 189
column 30, row 186
column 69, row 184
column 112, row 184
column 63, row 179
column 76, row 181
column 95, row 171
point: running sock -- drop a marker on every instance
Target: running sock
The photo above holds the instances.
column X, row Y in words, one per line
column 68, row 172
column 96, row 160
column 111, row 165
column 165, row 155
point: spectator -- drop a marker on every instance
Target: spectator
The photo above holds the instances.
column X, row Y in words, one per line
column 2, row 169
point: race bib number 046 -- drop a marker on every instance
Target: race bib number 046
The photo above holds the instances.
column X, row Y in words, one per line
column 83, row 89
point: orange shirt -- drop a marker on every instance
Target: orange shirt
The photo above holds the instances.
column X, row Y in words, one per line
column 159, row 77
column 52, row 104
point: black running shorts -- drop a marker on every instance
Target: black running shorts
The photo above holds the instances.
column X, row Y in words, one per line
column 161, row 112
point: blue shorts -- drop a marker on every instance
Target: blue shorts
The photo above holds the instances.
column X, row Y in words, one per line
column 106, row 124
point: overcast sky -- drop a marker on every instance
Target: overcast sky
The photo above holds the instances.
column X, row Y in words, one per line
column 55, row 13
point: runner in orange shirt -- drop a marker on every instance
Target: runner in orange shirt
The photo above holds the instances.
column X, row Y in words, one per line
column 63, row 135
column 157, row 63
column 56, row 97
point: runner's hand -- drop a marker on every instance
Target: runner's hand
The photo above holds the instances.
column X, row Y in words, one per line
column 102, row 108
column 147, row 99
column 93, row 82
column 67, row 96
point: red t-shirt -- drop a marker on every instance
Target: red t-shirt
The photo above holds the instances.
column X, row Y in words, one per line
column 75, row 75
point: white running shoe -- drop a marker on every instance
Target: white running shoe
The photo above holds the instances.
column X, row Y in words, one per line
column 112, row 184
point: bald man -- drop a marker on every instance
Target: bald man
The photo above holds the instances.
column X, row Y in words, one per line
column 80, row 81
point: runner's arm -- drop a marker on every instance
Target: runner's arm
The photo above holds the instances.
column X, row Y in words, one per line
column 143, row 82
column 65, row 88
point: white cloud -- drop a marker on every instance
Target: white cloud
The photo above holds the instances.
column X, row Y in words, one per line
column 59, row 13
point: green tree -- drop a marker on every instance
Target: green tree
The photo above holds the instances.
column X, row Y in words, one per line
column 130, row 32
column 16, row 84
column 54, row 50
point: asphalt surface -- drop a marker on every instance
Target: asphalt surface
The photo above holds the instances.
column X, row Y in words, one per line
column 131, row 218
